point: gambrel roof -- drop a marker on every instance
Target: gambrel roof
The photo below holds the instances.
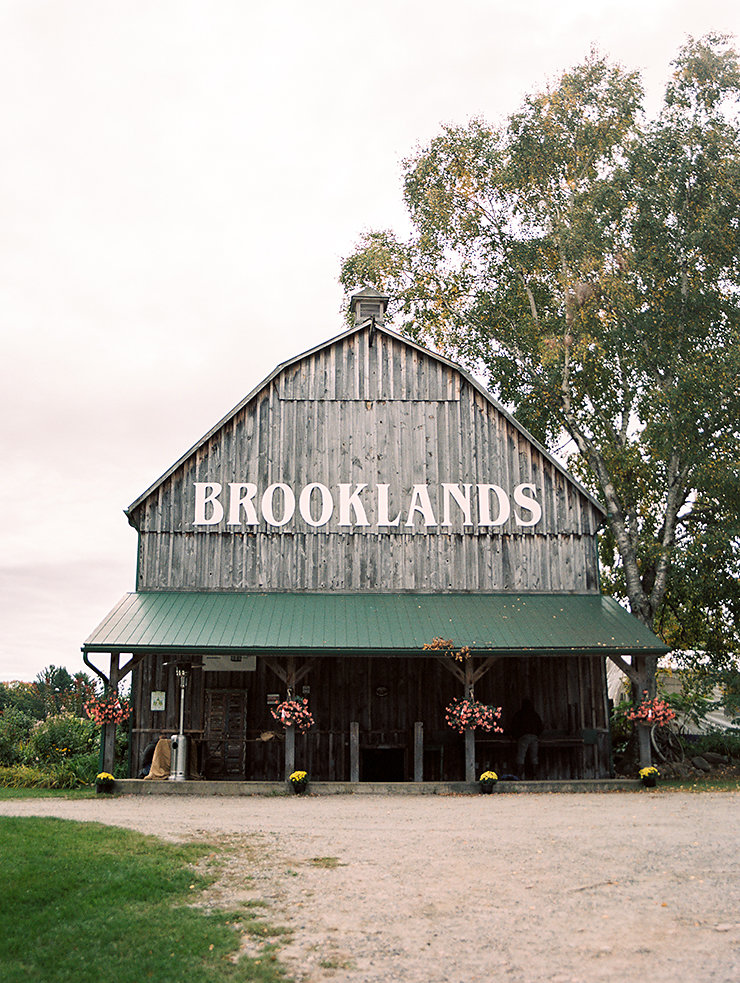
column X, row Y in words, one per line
column 365, row 326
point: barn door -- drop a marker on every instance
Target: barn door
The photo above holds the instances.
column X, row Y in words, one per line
column 225, row 733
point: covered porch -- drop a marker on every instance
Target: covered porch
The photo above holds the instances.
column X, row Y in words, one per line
column 378, row 698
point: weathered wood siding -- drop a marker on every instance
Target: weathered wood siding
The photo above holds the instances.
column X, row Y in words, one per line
column 386, row 696
column 381, row 413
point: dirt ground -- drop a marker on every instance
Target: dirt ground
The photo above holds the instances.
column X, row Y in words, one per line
column 460, row 889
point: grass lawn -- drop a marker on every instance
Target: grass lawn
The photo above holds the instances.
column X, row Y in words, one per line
column 46, row 793
column 704, row 783
column 82, row 902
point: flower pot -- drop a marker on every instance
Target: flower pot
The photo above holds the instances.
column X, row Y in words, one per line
column 299, row 788
column 649, row 781
column 104, row 789
column 487, row 787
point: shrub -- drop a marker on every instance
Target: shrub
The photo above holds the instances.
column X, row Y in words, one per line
column 15, row 726
column 22, row 696
column 719, row 741
column 121, row 767
column 28, row 776
column 62, row 737
column 621, row 726
column 85, row 766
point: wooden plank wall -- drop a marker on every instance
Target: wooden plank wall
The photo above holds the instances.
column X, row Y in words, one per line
column 386, row 697
column 353, row 412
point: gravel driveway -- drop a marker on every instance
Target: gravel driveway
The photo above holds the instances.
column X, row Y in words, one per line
column 431, row 889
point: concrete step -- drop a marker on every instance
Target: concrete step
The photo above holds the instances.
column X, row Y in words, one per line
column 133, row 786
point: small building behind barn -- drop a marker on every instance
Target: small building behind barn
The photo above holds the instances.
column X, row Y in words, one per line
column 367, row 497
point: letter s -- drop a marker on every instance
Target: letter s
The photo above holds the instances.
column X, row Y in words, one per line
column 528, row 503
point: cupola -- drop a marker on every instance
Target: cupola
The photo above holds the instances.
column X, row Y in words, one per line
column 368, row 303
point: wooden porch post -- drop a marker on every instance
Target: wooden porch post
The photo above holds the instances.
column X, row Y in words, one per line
column 354, row 751
column 644, row 747
column 419, row 751
column 290, row 683
column 468, row 676
column 291, row 676
column 469, row 731
column 289, row 751
column 108, row 735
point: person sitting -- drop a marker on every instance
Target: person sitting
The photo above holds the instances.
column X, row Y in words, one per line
column 526, row 727
column 146, row 759
column 161, row 759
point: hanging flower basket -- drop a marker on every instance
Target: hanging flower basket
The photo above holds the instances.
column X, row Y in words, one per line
column 463, row 714
column 294, row 713
column 108, row 710
column 649, row 712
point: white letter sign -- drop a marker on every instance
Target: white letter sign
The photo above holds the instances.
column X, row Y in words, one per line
column 327, row 504
column 206, row 493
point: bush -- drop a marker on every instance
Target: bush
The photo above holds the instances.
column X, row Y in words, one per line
column 121, row 767
column 28, row 776
column 621, row 726
column 22, row 696
column 719, row 741
column 60, row 738
column 15, row 726
column 85, row 766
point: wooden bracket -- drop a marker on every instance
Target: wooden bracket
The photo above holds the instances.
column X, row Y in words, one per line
column 288, row 673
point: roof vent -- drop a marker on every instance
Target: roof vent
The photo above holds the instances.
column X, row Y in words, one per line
column 368, row 303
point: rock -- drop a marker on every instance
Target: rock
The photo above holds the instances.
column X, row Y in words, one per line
column 701, row 763
column 715, row 759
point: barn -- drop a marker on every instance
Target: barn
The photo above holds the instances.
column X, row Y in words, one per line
column 368, row 497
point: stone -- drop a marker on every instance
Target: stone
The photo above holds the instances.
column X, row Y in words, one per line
column 715, row 759
column 701, row 763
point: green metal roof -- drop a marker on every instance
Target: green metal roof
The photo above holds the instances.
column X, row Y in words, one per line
column 370, row 624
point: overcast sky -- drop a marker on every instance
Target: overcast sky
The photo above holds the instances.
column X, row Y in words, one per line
column 178, row 183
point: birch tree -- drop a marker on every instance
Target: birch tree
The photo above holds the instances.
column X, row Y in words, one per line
column 584, row 259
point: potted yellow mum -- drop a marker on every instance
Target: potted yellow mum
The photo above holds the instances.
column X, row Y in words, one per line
column 649, row 776
column 298, row 781
column 487, row 781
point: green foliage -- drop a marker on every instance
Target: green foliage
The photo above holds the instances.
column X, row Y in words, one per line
column 65, row 774
column 22, row 696
column 120, row 768
column 92, row 903
column 621, row 726
column 721, row 742
column 62, row 692
column 62, row 748
column 586, row 261
column 15, row 727
column 63, row 737
column 86, row 766
column 53, row 691
column 26, row 792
